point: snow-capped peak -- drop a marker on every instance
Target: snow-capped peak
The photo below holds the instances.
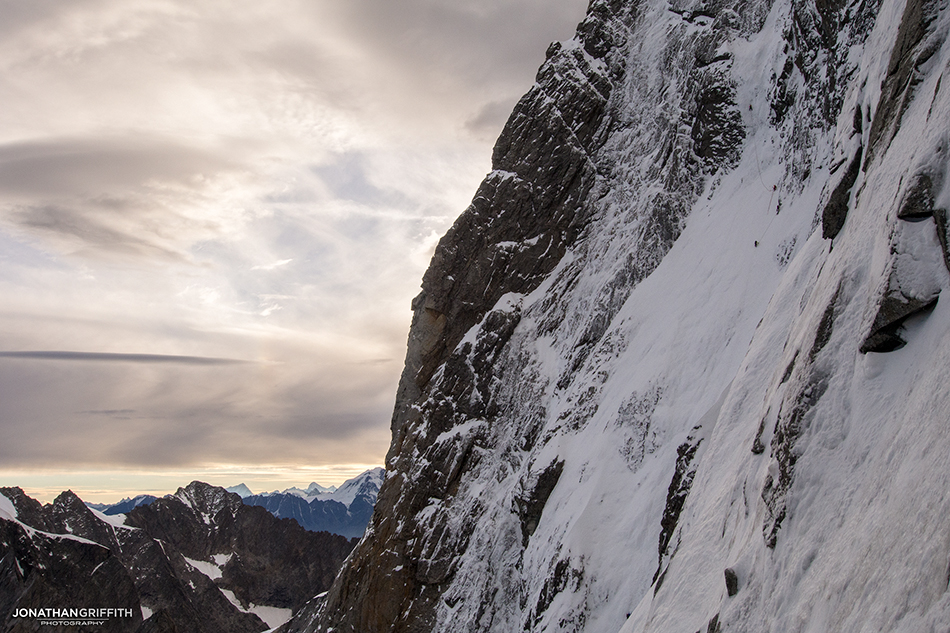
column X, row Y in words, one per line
column 365, row 484
column 241, row 490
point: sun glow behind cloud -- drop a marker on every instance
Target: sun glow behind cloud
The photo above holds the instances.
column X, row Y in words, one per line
column 211, row 179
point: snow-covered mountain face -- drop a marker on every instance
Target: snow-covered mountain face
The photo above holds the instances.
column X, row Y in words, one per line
column 681, row 365
column 365, row 485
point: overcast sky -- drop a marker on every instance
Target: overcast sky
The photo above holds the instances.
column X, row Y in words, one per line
column 221, row 211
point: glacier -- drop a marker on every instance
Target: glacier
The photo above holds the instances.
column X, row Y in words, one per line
column 681, row 365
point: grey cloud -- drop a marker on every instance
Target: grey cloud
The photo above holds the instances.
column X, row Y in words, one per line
column 94, row 166
column 347, row 178
column 88, row 227
column 122, row 358
column 17, row 15
column 488, row 40
column 108, row 196
column 490, row 119
column 476, row 49
column 179, row 411
column 300, row 78
column 307, row 66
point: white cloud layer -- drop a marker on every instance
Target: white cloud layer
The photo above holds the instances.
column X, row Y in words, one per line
column 262, row 182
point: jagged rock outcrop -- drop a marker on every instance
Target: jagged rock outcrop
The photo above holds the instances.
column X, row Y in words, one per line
column 268, row 561
column 39, row 570
column 43, row 568
column 637, row 334
column 172, row 560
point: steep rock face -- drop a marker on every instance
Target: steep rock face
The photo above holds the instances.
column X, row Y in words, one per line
column 637, row 334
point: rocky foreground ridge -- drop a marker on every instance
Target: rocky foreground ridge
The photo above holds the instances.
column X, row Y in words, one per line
column 681, row 365
column 198, row 561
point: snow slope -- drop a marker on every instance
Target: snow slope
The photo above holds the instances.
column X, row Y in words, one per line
column 724, row 406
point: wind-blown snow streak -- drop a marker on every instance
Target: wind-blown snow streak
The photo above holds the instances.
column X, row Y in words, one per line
column 731, row 371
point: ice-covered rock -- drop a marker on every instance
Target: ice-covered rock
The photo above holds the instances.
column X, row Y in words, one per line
column 680, row 365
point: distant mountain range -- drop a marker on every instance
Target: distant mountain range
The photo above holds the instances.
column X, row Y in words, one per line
column 123, row 507
column 345, row 510
column 312, row 490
